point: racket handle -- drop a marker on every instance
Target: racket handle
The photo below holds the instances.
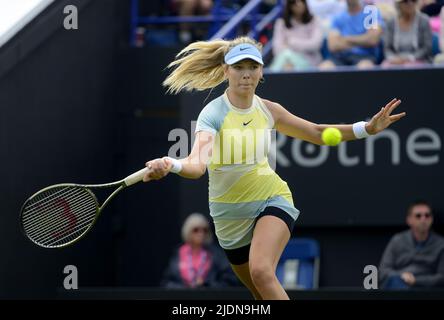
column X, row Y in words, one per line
column 135, row 177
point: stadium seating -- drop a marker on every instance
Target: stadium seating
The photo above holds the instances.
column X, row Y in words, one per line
column 298, row 267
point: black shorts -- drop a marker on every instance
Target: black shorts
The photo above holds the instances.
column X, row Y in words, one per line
column 241, row 255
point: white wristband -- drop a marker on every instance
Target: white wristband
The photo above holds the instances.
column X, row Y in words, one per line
column 177, row 165
column 359, row 130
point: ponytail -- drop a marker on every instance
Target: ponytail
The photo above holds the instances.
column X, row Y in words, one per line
column 199, row 66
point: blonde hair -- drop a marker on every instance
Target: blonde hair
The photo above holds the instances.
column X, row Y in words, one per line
column 199, row 66
column 196, row 220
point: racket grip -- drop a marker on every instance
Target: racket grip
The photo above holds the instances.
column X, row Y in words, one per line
column 135, row 177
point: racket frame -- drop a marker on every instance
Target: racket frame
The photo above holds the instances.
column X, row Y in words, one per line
column 121, row 184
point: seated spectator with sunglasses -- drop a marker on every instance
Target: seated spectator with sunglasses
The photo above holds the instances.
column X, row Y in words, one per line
column 414, row 258
column 197, row 263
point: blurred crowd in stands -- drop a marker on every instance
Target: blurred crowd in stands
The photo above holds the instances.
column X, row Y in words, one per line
column 325, row 34
column 330, row 33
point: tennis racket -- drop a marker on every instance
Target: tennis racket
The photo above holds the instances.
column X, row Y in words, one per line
column 62, row 214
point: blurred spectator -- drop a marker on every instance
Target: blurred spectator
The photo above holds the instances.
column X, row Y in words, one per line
column 197, row 263
column 408, row 37
column 354, row 37
column 297, row 38
column 190, row 8
column 435, row 24
column 414, row 258
column 325, row 10
column 439, row 59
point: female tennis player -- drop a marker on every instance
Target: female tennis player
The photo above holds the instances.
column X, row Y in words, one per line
column 251, row 206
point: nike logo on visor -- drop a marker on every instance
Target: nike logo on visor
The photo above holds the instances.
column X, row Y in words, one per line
column 242, row 49
column 246, row 123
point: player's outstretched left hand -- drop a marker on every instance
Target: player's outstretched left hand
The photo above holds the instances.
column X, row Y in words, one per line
column 383, row 118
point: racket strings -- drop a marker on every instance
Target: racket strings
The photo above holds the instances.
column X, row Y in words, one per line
column 63, row 222
column 79, row 230
column 57, row 221
column 49, row 207
column 52, row 206
column 45, row 196
column 59, row 215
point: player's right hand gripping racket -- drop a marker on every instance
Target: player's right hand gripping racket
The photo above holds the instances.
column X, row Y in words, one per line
column 62, row 214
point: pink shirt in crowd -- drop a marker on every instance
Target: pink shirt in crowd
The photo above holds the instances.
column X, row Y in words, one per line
column 305, row 39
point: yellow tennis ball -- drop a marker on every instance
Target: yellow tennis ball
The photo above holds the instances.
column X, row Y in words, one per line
column 331, row 136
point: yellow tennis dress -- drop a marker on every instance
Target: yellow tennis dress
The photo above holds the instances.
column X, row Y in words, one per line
column 241, row 182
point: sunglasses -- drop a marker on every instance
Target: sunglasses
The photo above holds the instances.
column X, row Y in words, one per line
column 426, row 215
column 406, row 1
column 199, row 229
